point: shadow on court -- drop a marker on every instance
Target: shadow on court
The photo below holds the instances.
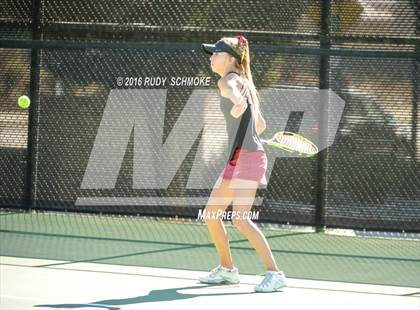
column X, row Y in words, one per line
column 153, row 296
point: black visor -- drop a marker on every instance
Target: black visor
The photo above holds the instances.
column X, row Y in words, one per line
column 220, row 46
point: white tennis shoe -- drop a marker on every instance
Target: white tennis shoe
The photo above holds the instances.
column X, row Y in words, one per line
column 221, row 275
column 273, row 281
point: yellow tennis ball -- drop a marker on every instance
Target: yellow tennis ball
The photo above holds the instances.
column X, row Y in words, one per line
column 24, row 102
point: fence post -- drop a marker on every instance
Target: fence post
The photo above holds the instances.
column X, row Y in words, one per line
column 416, row 86
column 34, row 95
column 324, row 83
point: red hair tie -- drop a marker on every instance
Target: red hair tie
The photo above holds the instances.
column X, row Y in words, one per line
column 241, row 39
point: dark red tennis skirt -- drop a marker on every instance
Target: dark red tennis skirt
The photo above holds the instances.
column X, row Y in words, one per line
column 248, row 165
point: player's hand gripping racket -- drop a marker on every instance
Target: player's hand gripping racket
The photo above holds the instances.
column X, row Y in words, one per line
column 292, row 143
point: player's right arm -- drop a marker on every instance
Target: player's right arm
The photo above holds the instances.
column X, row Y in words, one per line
column 261, row 125
column 230, row 88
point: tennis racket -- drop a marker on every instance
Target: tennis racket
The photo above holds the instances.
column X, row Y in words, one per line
column 292, row 143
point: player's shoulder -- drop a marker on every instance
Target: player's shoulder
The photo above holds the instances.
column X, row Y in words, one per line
column 231, row 80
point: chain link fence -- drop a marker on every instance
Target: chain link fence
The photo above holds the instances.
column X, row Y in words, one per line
column 68, row 55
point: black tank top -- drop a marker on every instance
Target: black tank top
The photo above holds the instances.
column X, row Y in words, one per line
column 242, row 130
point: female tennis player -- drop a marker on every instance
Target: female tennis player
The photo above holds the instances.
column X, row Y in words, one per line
column 245, row 170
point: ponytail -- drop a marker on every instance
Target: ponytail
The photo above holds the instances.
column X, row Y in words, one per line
column 245, row 69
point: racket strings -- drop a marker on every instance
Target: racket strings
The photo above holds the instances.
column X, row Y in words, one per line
column 295, row 143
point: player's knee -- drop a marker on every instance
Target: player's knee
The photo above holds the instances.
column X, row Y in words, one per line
column 211, row 214
column 211, row 220
column 240, row 223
